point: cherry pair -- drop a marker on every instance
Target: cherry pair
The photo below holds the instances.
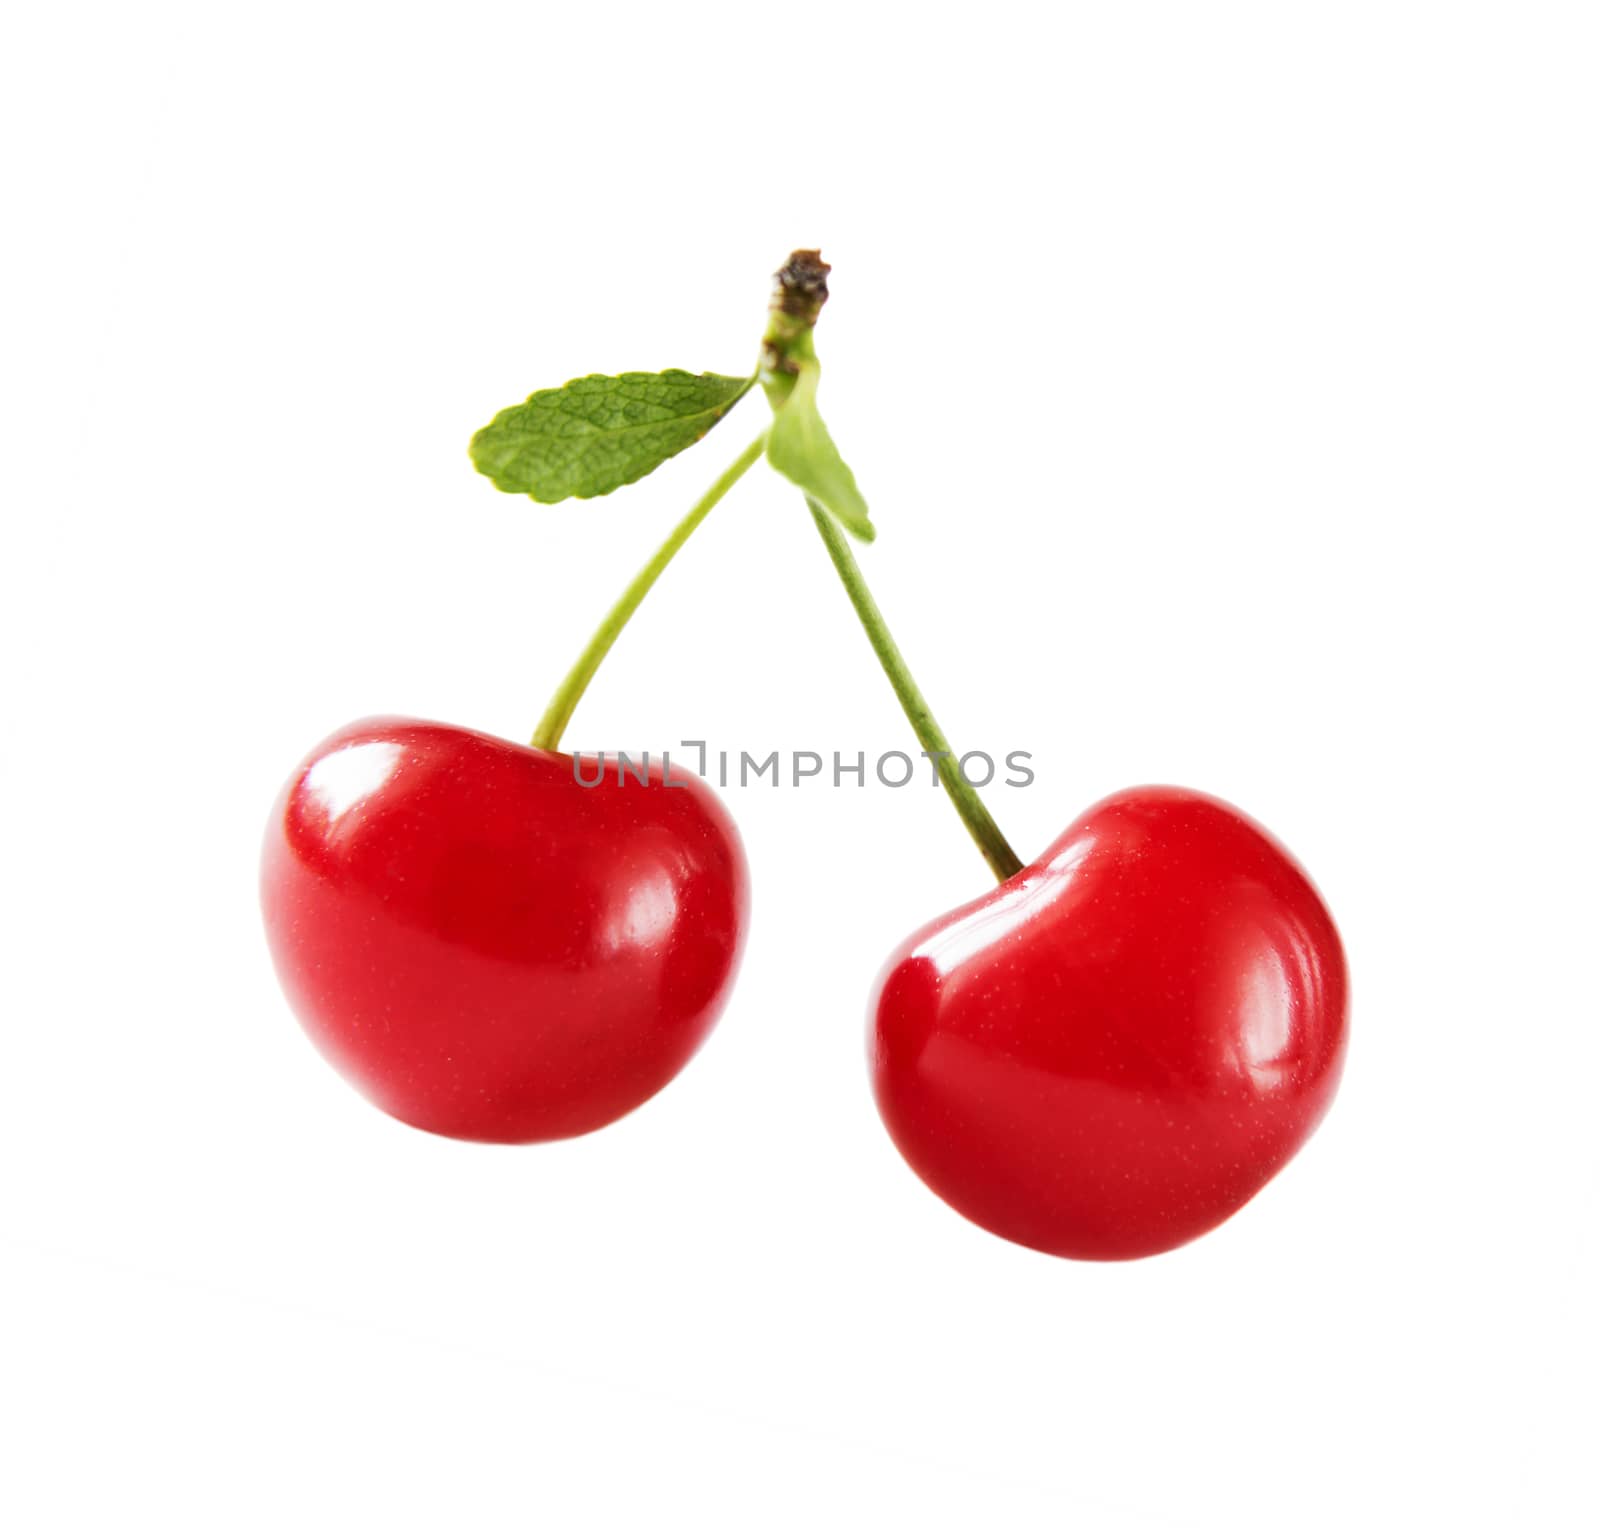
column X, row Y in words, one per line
column 1103, row 1057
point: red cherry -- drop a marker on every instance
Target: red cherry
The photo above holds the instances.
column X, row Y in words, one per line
column 484, row 946
column 1113, row 1051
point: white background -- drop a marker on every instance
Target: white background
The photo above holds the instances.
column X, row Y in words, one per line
column 1223, row 381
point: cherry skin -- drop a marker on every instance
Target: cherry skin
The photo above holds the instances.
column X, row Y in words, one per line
column 487, row 948
column 1113, row 1051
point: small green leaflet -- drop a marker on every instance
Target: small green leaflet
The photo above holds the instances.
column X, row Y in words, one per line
column 800, row 447
column 598, row 433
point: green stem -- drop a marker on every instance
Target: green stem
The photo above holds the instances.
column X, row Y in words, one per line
column 986, row 835
column 565, row 700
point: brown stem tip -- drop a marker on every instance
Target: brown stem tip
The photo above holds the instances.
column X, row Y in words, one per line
column 802, row 285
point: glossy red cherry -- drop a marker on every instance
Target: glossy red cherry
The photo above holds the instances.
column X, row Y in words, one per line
column 486, row 947
column 1114, row 1050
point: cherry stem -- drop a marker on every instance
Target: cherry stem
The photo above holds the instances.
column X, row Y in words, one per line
column 565, row 700
column 985, row 833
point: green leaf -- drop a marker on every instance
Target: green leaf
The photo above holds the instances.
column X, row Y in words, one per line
column 800, row 447
column 598, row 433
